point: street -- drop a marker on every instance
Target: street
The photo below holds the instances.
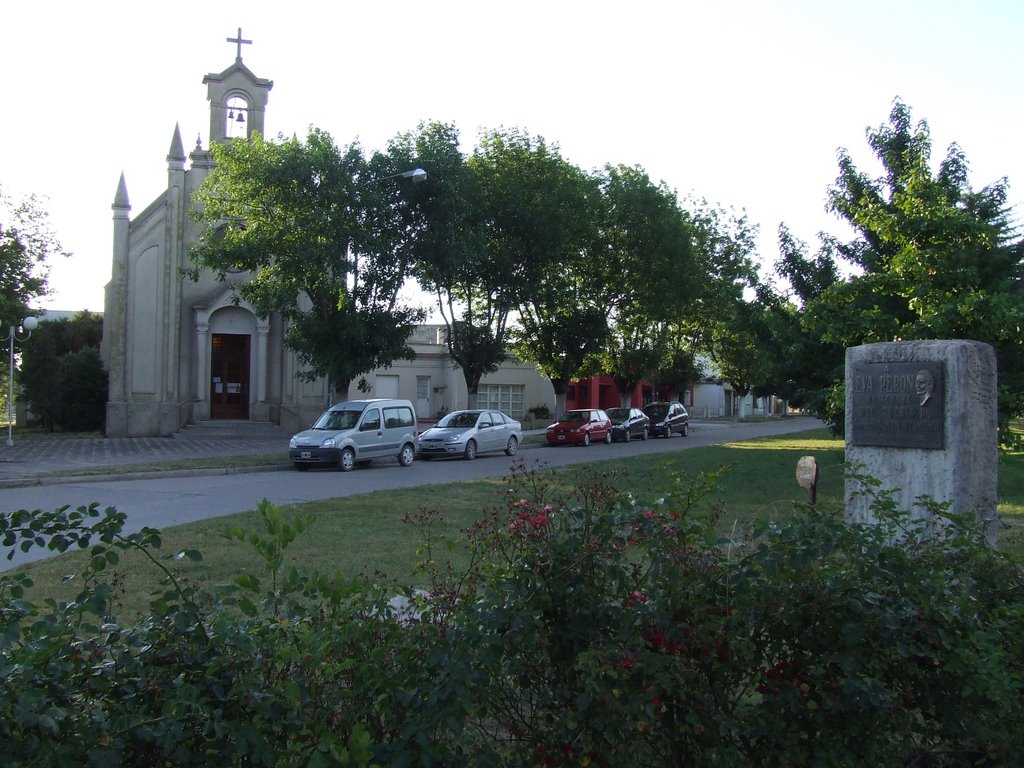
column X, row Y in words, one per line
column 165, row 502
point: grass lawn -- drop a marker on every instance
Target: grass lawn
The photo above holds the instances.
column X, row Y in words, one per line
column 366, row 534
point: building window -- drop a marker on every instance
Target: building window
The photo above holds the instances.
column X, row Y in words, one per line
column 509, row 398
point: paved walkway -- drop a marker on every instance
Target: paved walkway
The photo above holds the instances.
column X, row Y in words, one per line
column 35, row 458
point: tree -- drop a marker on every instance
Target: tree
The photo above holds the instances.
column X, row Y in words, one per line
column 724, row 246
column 26, row 244
column 648, row 275
column 934, row 259
column 808, row 369
column 500, row 221
column 324, row 245
column 563, row 323
column 740, row 345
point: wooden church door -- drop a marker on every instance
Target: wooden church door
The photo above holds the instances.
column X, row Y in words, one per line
column 229, row 376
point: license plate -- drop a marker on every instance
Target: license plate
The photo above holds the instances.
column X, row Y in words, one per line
column 561, row 438
column 306, row 455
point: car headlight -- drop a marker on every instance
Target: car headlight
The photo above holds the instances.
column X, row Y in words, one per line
column 327, row 443
column 292, row 443
column 454, row 438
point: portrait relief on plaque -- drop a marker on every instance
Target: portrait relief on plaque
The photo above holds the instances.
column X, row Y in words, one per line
column 898, row 404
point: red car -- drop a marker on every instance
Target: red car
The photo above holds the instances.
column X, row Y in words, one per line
column 582, row 426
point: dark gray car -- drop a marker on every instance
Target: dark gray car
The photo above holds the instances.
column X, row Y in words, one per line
column 668, row 418
column 628, row 423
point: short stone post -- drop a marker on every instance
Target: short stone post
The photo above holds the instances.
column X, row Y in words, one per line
column 921, row 417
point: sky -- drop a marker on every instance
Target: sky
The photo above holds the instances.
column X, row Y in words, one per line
column 743, row 103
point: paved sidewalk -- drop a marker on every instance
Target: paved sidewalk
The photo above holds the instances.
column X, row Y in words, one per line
column 34, row 459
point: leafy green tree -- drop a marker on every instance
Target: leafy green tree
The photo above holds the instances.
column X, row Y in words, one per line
column 933, row 258
column 324, row 245
column 648, row 273
column 563, row 330
column 740, row 347
column 499, row 222
column 26, row 244
column 563, row 324
column 809, row 371
column 451, row 257
column 724, row 246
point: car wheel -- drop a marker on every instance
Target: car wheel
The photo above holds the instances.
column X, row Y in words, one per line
column 302, row 467
column 627, row 436
column 512, row 447
column 470, row 452
column 347, row 460
column 686, row 429
column 406, row 455
column 586, row 439
column 668, row 431
column 608, row 437
column 643, row 435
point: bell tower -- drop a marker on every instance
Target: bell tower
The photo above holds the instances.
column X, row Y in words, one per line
column 238, row 99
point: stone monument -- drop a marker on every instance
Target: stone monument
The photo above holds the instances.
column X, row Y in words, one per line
column 921, row 417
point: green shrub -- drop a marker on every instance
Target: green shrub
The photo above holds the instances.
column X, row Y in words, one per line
column 82, row 384
column 591, row 629
column 540, row 411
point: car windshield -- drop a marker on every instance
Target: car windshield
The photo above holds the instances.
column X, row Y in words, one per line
column 618, row 414
column 575, row 416
column 459, row 420
column 335, row 420
column 656, row 411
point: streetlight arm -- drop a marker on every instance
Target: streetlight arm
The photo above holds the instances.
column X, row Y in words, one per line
column 416, row 174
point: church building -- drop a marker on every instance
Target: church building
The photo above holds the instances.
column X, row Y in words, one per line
column 180, row 351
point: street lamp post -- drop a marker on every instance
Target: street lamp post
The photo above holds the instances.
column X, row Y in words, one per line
column 28, row 325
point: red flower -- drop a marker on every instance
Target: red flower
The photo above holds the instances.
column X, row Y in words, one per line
column 636, row 597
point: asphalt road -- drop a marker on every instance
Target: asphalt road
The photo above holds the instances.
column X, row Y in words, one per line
column 168, row 501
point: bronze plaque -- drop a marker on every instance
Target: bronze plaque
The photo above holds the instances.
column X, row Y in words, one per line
column 899, row 405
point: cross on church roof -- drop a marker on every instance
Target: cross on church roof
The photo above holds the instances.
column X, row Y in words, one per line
column 240, row 41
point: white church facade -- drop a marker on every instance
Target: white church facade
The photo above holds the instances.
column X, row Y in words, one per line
column 180, row 351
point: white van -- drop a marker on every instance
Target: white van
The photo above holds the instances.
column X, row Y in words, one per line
column 357, row 431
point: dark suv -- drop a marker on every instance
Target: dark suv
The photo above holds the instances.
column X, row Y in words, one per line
column 667, row 418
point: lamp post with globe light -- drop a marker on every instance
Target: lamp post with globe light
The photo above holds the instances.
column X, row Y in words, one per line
column 29, row 324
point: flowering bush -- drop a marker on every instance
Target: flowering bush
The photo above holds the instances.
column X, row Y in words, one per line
column 591, row 629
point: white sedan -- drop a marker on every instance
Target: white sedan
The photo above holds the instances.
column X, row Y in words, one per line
column 468, row 433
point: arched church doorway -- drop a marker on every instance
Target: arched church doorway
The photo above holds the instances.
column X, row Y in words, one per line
column 229, row 376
